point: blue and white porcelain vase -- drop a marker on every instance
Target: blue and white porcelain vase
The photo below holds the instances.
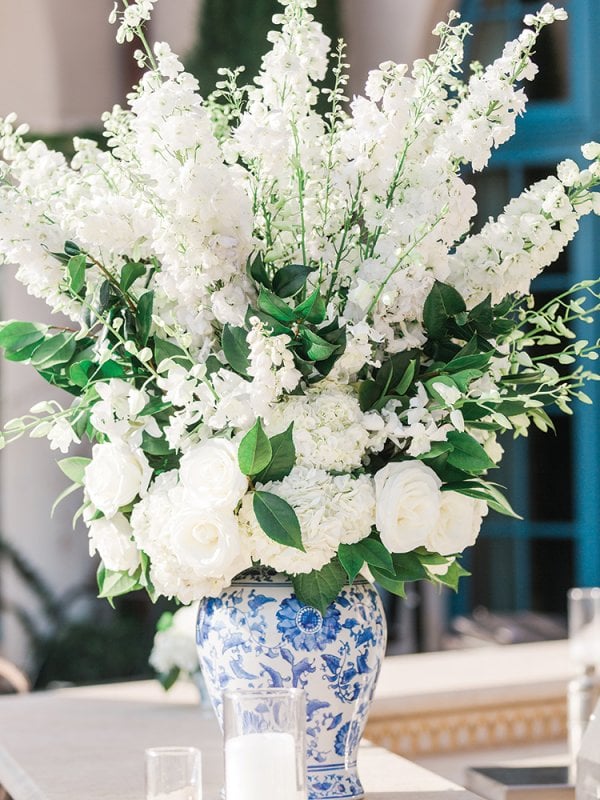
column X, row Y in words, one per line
column 258, row 635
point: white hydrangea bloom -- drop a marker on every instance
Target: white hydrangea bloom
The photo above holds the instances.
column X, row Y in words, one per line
column 330, row 431
column 331, row 511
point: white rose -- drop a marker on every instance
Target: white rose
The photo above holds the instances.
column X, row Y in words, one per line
column 111, row 539
column 459, row 524
column 205, row 540
column 115, row 476
column 210, row 470
column 408, row 504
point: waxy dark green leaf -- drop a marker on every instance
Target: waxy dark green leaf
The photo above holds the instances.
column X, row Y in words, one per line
column 278, row 519
column 375, row 554
column 317, row 348
column 351, row 560
column 272, row 305
column 443, row 302
column 319, row 589
column 288, row 281
column 313, row 309
column 144, row 316
column 236, row 348
column 254, row 452
column 258, row 272
column 130, row 273
column 467, row 454
column 283, row 457
column 76, row 268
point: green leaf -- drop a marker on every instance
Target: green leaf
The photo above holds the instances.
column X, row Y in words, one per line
column 76, row 269
column 277, row 328
column 130, row 273
column 258, row 272
column 20, row 339
column 351, row 560
column 155, row 406
column 392, row 371
column 79, row 372
column 375, row 554
column 165, row 621
column 254, row 452
column 72, row 249
column 111, row 369
column 275, row 307
column 283, row 457
column 467, row 454
column 74, row 468
column 58, row 349
column 442, row 303
column 144, row 316
column 113, row 584
column 369, row 393
column 154, row 446
column 393, row 585
column 465, row 377
column 69, row 490
column 407, row 379
column 317, row 349
column 452, row 577
column 168, row 679
column 488, row 492
column 290, row 279
column 145, row 580
column 320, row 587
column 408, row 567
column 278, row 519
column 313, row 309
column 236, row 349
column 164, row 349
column 460, row 363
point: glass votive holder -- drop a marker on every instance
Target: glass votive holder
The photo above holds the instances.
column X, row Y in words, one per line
column 173, row 773
column 584, row 626
column 265, row 751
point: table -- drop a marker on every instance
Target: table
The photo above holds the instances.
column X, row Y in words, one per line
column 87, row 744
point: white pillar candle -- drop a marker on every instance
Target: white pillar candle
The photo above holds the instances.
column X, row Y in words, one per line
column 261, row 766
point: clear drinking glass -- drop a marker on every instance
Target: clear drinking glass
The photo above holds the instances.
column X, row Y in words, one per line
column 173, row 773
column 265, row 751
column 584, row 626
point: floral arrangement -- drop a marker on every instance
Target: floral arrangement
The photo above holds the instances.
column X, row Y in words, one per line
column 288, row 347
column 174, row 650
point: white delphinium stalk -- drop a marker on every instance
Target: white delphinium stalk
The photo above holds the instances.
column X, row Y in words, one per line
column 131, row 17
column 331, row 511
column 271, row 367
column 486, row 117
column 511, row 251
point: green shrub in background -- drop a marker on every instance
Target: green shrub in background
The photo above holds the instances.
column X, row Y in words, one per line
column 232, row 33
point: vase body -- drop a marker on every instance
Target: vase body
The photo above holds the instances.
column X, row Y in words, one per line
column 257, row 635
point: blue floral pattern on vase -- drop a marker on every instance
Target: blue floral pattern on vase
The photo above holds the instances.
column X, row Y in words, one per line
column 258, row 635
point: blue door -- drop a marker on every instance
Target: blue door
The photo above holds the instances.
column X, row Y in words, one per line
column 554, row 481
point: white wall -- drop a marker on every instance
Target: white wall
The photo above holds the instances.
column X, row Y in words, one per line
column 388, row 30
